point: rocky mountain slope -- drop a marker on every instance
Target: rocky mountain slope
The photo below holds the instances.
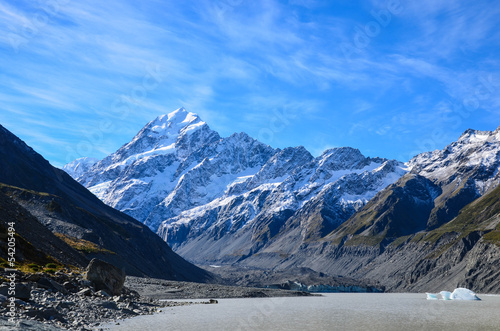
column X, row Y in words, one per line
column 37, row 196
column 34, row 242
column 439, row 185
column 435, row 228
column 222, row 199
column 235, row 200
column 464, row 252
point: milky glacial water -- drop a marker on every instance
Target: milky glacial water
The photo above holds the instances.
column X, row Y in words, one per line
column 336, row 311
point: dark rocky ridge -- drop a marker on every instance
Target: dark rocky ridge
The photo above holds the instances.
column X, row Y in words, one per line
column 34, row 242
column 52, row 197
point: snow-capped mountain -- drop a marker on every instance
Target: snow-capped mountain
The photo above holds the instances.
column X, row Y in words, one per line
column 475, row 153
column 439, row 185
column 334, row 186
column 435, row 226
column 235, row 199
column 464, row 170
column 143, row 172
column 79, row 166
column 183, row 180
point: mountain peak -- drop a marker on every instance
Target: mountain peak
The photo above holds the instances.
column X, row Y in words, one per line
column 471, row 136
column 176, row 121
column 341, row 154
column 166, row 129
column 180, row 115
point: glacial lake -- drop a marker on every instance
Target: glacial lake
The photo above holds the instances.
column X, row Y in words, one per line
column 335, row 311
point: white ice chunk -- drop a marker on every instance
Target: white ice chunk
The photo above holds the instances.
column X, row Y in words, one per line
column 463, row 294
column 432, row 296
column 445, row 295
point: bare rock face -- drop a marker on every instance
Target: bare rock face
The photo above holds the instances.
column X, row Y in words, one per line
column 105, row 276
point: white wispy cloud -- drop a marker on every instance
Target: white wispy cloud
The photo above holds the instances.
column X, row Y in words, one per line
column 234, row 62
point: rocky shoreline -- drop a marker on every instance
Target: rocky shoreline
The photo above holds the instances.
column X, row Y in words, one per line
column 67, row 300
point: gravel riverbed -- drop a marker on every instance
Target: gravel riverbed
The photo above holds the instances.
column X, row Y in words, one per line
column 171, row 290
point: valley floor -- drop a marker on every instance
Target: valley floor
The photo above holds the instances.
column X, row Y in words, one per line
column 171, row 290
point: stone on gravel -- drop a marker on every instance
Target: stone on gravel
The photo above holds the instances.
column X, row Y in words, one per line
column 118, row 298
column 34, row 277
column 51, row 284
column 105, row 276
column 65, row 304
column 22, row 291
column 70, row 286
column 48, row 313
column 128, row 311
column 107, row 304
column 103, row 293
column 20, row 302
column 58, row 287
column 86, row 283
column 85, row 291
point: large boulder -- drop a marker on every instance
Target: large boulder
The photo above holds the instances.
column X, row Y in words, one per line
column 105, row 276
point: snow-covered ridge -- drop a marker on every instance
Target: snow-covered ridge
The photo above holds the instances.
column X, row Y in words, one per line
column 203, row 193
column 476, row 152
column 79, row 166
column 182, row 179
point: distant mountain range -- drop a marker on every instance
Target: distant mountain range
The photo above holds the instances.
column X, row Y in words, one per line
column 237, row 200
column 221, row 199
column 58, row 220
column 437, row 227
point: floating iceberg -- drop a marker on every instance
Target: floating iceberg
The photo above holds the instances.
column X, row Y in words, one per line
column 463, row 294
column 432, row 296
column 458, row 294
column 445, row 295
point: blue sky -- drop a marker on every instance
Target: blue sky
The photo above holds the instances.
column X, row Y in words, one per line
column 392, row 78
